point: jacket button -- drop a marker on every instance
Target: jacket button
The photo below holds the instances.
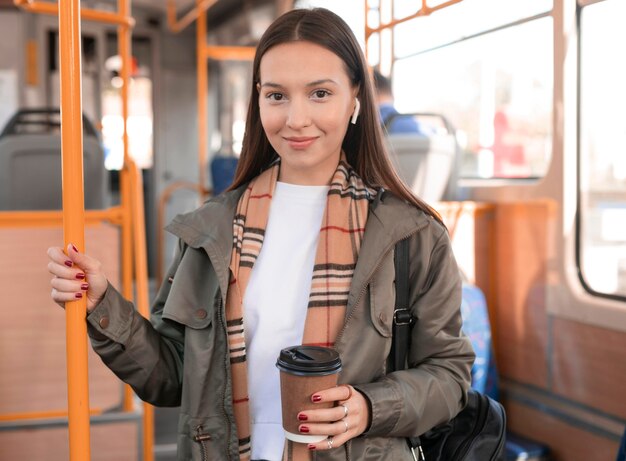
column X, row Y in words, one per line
column 382, row 317
column 201, row 313
column 104, row 322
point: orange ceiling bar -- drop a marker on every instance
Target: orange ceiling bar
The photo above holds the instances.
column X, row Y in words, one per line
column 55, row 218
column 425, row 10
column 178, row 25
column 90, row 15
column 230, row 53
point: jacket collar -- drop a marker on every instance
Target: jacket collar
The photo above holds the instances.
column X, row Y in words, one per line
column 211, row 227
column 390, row 220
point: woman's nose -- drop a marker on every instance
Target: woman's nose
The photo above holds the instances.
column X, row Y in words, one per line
column 298, row 116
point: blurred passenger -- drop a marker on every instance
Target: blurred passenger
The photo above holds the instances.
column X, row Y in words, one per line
column 389, row 115
column 272, row 262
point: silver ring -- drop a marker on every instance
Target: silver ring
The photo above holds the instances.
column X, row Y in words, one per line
column 346, row 423
column 345, row 410
column 330, row 442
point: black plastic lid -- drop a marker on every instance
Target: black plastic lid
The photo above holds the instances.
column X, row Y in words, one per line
column 309, row 360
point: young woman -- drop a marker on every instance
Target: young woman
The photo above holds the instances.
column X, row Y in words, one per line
column 299, row 250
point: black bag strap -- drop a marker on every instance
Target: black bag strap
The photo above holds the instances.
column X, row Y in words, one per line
column 402, row 323
column 401, row 314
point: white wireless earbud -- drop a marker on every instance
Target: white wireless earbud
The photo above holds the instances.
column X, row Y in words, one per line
column 357, row 108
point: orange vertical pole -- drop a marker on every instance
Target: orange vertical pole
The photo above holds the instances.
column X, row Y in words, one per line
column 141, row 279
column 123, row 40
column 74, row 222
column 133, row 240
column 203, row 83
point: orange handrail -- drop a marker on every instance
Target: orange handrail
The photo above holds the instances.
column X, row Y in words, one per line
column 90, row 15
column 178, row 25
column 54, row 218
column 123, row 215
column 74, row 223
column 204, row 52
column 141, row 279
column 202, row 88
column 124, row 44
column 43, row 414
column 229, row 53
column 425, row 10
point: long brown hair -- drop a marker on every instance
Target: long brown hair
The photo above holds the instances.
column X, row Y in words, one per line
column 363, row 145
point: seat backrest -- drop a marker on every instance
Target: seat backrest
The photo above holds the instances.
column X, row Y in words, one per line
column 223, row 169
column 30, row 172
column 425, row 164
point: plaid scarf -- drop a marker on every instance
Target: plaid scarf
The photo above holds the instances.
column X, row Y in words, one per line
column 341, row 234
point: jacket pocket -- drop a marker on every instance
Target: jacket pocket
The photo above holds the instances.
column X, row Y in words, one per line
column 194, row 291
column 383, row 297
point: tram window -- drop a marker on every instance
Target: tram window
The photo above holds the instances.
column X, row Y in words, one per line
column 602, row 149
column 496, row 89
column 457, row 21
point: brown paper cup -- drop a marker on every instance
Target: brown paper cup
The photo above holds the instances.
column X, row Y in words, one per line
column 305, row 370
column 296, row 392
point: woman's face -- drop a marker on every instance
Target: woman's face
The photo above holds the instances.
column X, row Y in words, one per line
column 306, row 100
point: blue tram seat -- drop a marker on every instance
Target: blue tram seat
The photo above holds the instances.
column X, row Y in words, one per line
column 484, row 373
column 30, row 163
column 476, row 326
column 223, row 169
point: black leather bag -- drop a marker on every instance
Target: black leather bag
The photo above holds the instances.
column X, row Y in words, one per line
column 477, row 433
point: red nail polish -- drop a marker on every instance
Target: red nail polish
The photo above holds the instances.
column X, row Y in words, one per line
column 78, row 295
column 80, row 276
column 84, row 286
column 302, row 417
column 304, row 429
column 69, row 263
column 311, row 446
column 74, row 248
column 317, row 398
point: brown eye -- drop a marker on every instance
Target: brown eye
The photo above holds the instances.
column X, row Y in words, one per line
column 320, row 94
column 275, row 96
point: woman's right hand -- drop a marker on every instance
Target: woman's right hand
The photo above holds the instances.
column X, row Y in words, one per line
column 75, row 275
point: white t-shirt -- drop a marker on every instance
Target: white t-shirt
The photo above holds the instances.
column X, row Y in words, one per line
column 275, row 304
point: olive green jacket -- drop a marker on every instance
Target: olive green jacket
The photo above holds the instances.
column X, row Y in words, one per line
column 180, row 357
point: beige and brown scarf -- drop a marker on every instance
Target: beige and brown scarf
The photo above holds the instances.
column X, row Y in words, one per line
column 341, row 234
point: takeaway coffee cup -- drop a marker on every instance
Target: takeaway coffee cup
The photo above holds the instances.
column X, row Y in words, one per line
column 305, row 370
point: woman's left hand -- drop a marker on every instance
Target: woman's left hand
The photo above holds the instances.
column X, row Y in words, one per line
column 345, row 421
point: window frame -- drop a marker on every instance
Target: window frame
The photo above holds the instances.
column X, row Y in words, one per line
column 580, row 6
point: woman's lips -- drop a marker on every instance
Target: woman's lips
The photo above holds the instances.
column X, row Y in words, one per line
column 300, row 142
